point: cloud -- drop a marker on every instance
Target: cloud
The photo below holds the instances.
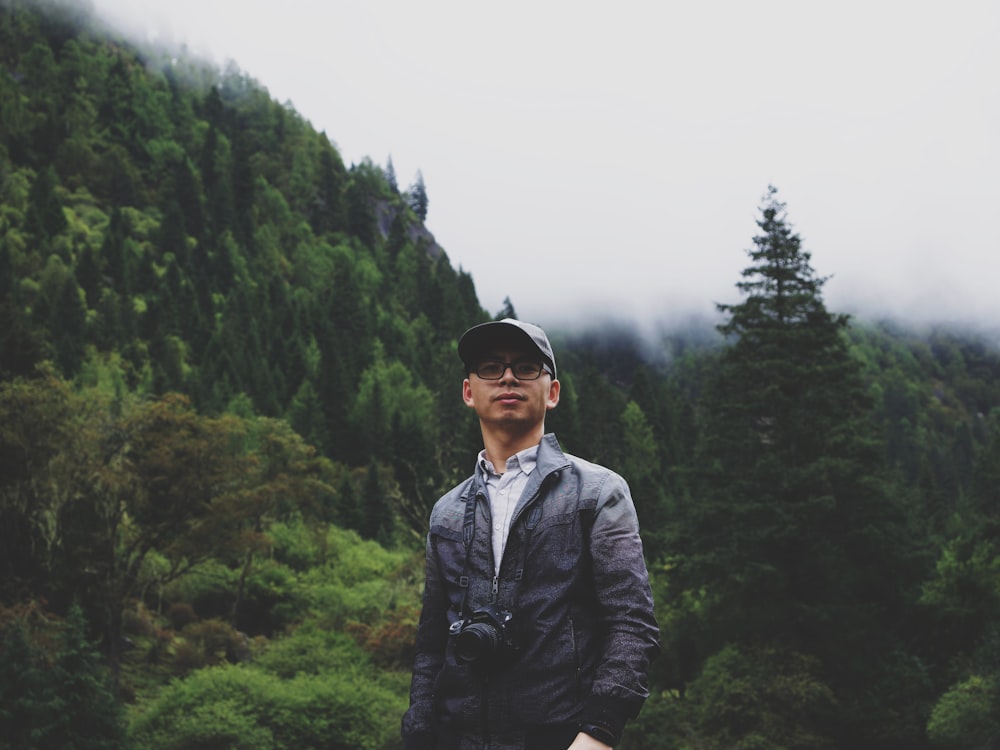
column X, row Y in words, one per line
column 590, row 159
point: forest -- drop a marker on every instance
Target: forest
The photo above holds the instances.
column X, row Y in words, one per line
column 230, row 394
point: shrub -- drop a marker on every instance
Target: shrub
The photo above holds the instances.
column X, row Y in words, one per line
column 246, row 708
column 181, row 614
column 966, row 715
column 311, row 650
column 760, row 698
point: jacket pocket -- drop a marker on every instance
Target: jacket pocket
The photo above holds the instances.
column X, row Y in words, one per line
column 549, row 683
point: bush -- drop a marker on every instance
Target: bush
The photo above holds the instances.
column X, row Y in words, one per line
column 210, row 588
column 181, row 614
column 965, row 716
column 248, row 709
column 298, row 545
column 759, row 699
column 392, row 641
column 311, row 650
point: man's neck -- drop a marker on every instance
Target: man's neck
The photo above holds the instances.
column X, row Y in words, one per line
column 502, row 445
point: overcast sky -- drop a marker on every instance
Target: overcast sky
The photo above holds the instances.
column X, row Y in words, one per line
column 589, row 158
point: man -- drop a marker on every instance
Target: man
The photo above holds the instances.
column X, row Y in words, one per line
column 537, row 626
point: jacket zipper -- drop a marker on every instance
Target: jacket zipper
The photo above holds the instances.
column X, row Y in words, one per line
column 494, row 596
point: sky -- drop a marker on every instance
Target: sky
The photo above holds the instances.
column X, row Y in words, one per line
column 597, row 159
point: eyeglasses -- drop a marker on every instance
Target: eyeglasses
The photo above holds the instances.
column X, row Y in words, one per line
column 493, row 369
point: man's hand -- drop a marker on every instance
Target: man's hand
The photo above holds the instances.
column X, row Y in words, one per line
column 584, row 741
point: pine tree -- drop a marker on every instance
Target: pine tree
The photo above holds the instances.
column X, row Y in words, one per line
column 45, row 217
column 375, row 511
column 347, row 505
column 792, row 511
column 21, row 344
column 68, row 325
column 390, row 175
column 507, row 311
column 418, row 197
column 88, row 715
column 24, row 695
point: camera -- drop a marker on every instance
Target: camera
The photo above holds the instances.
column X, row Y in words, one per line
column 482, row 636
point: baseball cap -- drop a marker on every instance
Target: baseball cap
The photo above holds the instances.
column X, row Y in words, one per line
column 485, row 336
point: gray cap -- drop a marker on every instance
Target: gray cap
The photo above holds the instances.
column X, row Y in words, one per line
column 480, row 339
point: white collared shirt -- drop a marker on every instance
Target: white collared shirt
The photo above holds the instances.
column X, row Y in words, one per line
column 504, row 491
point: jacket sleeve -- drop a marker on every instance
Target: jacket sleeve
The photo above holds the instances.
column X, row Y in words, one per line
column 626, row 604
column 418, row 725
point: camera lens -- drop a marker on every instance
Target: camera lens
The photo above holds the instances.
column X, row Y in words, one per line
column 476, row 641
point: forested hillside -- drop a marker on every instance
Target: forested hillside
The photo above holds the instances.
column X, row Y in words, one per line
column 229, row 394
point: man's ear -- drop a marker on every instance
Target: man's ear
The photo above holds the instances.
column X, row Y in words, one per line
column 553, row 398
column 467, row 393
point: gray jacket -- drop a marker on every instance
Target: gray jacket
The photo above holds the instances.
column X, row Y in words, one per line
column 573, row 576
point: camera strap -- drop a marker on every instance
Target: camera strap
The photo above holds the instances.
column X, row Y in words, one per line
column 468, row 534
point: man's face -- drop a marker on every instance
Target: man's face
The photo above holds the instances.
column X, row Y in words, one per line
column 510, row 401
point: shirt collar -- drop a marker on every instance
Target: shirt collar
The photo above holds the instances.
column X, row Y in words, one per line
column 525, row 460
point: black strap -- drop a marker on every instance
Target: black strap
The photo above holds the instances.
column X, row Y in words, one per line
column 468, row 533
column 469, row 522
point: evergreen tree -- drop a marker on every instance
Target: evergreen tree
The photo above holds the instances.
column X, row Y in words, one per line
column 792, row 510
column 507, row 311
column 25, row 717
column 113, row 252
column 362, row 192
column 45, row 217
column 306, row 416
column 330, row 213
column 417, row 195
column 87, row 715
column 375, row 511
column 88, row 274
column 390, row 175
column 68, row 325
column 347, row 505
column 21, row 345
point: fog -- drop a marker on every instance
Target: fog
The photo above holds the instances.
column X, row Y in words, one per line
column 590, row 160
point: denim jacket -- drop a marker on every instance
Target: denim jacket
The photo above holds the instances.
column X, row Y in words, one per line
column 582, row 633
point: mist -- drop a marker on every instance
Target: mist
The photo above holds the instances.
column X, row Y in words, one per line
column 606, row 163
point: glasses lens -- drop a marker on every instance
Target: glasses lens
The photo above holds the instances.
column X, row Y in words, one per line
column 490, row 370
column 493, row 369
column 527, row 370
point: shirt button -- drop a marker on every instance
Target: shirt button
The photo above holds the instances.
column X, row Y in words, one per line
column 497, row 527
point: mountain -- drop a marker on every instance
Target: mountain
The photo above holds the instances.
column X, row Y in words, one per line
column 229, row 396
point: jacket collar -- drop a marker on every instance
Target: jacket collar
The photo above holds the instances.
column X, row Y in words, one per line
column 550, row 460
column 550, row 456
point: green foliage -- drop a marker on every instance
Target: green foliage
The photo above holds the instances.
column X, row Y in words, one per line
column 87, row 713
column 313, row 650
column 744, row 699
column 240, row 707
column 418, row 196
column 360, row 580
column 792, row 502
column 24, row 693
column 761, row 698
column 966, row 715
column 59, row 698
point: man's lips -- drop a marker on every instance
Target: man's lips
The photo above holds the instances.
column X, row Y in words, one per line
column 508, row 397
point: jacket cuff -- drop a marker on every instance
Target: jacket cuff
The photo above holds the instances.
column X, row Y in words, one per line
column 419, row 741
column 604, row 718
